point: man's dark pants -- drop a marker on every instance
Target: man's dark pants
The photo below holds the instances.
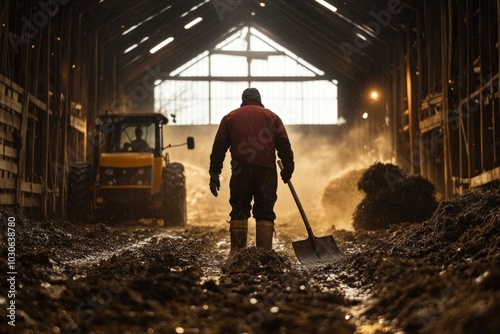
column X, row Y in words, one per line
column 253, row 182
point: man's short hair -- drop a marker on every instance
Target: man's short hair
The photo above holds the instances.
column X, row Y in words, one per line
column 251, row 94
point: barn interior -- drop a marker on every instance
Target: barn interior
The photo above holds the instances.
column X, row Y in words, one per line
column 414, row 84
column 434, row 64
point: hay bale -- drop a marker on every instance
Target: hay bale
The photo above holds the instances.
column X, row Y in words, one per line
column 392, row 197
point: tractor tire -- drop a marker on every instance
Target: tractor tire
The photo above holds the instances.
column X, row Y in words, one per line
column 80, row 193
column 174, row 195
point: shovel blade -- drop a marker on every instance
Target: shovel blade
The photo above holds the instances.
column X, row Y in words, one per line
column 325, row 252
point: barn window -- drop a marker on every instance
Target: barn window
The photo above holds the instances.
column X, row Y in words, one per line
column 207, row 87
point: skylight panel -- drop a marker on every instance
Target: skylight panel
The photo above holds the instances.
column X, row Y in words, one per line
column 136, row 58
column 131, row 28
column 130, row 48
column 161, row 45
column 189, row 64
column 278, row 47
column 361, row 36
column 195, row 8
column 327, row 5
column 149, row 18
column 222, row 45
column 194, row 22
column 259, row 45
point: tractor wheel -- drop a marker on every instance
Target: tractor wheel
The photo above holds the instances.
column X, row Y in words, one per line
column 80, row 193
column 174, row 195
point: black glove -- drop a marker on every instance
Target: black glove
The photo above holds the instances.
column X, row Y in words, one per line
column 214, row 183
column 286, row 175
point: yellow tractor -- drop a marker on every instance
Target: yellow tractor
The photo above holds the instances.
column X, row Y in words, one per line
column 131, row 176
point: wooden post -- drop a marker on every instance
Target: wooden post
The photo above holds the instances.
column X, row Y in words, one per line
column 24, row 125
column 66, row 106
column 47, row 191
column 445, row 104
column 412, row 126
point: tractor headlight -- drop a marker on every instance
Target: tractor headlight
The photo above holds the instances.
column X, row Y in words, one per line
column 140, row 171
column 108, row 171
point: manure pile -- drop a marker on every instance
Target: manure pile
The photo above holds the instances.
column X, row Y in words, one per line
column 440, row 276
column 392, row 197
column 257, row 261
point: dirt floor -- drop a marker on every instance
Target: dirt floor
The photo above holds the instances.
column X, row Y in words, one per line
column 439, row 276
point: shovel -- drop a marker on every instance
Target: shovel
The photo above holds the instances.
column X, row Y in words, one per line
column 313, row 250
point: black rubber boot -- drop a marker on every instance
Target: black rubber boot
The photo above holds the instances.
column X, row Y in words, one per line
column 264, row 234
column 238, row 230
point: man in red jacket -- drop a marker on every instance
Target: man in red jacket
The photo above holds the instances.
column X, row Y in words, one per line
column 253, row 134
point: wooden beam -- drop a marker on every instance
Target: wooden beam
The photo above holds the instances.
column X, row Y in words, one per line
column 38, row 103
column 249, row 54
column 431, row 122
column 485, row 178
column 247, row 78
column 78, row 124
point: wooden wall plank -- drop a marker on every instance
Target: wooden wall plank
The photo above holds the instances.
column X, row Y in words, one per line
column 485, row 178
column 8, row 118
column 29, row 202
column 33, row 188
column 7, row 135
column 40, row 104
column 78, row 123
column 10, row 84
column 7, row 183
column 8, row 199
column 10, row 103
column 8, row 166
column 7, row 151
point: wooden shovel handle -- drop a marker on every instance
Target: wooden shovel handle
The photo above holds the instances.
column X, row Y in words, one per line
column 299, row 205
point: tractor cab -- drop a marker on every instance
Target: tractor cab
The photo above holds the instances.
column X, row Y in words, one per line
column 130, row 170
column 132, row 133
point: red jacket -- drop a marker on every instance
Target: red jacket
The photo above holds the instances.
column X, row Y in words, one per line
column 253, row 134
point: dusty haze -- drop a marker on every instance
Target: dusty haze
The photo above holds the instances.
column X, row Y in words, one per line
column 322, row 154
